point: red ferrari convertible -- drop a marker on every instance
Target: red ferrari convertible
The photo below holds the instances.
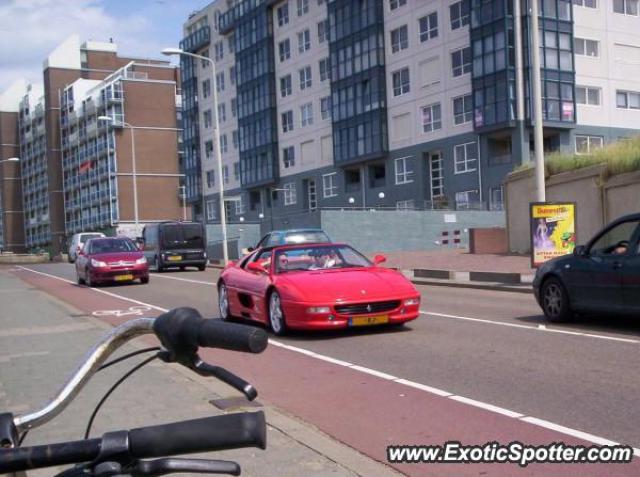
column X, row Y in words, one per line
column 315, row 286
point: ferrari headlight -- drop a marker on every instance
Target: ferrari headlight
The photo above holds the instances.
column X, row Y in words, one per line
column 412, row 301
column 141, row 261
column 97, row 263
column 319, row 309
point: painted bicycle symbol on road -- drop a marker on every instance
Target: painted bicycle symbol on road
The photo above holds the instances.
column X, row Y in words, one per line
column 132, row 311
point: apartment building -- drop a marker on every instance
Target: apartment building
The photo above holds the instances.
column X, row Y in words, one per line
column 404, row 104
column 79, row 173
column 11, row 213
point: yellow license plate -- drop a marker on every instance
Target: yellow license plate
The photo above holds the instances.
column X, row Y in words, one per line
column 123, row 278
column 369, row 320
column 174, row 258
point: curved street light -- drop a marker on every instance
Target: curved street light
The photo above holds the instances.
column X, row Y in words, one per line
column 216, row 125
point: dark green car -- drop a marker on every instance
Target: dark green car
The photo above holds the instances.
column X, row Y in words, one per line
column 601, row 277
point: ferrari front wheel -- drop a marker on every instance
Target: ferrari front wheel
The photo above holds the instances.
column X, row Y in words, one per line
column 276, row 316
column 223, row 302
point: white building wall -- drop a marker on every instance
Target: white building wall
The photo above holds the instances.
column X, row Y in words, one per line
column 617, row 66
column 432, row 80
column 312, row 143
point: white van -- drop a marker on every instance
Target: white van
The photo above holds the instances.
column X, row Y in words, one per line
column 78, row 241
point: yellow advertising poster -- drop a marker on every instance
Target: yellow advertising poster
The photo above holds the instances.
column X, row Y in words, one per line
column 553, row 231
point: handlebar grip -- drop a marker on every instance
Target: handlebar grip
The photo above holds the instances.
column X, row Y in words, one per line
column 183, row 330
column 231, row 336
column 229, row 431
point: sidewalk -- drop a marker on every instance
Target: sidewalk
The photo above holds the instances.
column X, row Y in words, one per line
column 42, row 340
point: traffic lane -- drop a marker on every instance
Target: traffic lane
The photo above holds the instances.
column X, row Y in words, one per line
column 579, row 381
column 518, row 308
column 410, row 416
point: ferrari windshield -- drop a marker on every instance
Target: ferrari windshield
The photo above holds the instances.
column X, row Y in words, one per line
column 319, row 257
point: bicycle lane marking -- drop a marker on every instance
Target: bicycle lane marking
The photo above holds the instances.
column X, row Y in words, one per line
column 439, row 410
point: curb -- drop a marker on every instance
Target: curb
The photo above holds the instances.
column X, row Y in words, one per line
column 477, row 286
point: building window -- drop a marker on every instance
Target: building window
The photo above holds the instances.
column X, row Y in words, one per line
column 225, row 174
column 406, row 204
column 465, row 157
column 206, row 88
column 325, row 69
column 404, row 170
column 461, row 61
column 401, row 82
column 211, row 178
column 627, row 100
column 283, row 14
column 236, row 171
column 211, row 210
column 393, row 4
column 222, row 113
column 585, row 47
column 234, row 138
column 586, row 3
column 466, row 199
column 208, row 149
column 399, row 39
column 220, row 82
column 329, row 186
column 223, row 143
column 207, row 118
column 306, row 114
column 303, row 7
column 323, row 31
column 462, row 109
column 287, row 121
column 232, row 75
column 289, row 157
column 204, row 63
column 304, row 41
column 588, row 95
column 459, row 14
column 289, row 193
column 305, row 77
column 240, row 207
column 626, row 7
column 218, row 51
column 232, row 43
column 234, row 107
column 431, row 118
column 285, row 86
column 284, row 48
column 325, row 107
column 428, row 27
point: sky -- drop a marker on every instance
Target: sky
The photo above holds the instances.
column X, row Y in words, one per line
column 31, row 29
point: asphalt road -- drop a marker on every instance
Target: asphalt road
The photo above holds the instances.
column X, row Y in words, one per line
column 493, row 347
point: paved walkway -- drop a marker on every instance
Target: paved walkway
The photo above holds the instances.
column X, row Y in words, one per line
column 459, row 260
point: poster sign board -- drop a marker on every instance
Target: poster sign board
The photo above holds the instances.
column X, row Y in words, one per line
column 553, row 230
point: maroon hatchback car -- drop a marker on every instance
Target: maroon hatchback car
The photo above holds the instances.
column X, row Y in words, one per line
column 108, row 260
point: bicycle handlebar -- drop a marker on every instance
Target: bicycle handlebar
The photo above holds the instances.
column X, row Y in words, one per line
column 231, row 431
column 181, row 331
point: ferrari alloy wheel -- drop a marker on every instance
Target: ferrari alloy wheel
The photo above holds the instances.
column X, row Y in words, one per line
column 223, row 302
column 555, row 301
column 276, row 317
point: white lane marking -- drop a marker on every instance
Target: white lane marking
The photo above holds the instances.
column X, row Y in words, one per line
column 188, row 280
column 138, row 310
column 439, row 392
column 104, row 292
column 533, row 328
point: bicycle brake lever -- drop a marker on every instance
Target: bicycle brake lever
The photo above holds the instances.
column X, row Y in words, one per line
column 205, row 369
column 157, row 467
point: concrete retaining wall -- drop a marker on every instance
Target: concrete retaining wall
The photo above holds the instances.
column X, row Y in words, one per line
column 599, row 200
column 21, row 259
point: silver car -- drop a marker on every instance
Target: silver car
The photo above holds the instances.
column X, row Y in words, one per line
column 78, row 241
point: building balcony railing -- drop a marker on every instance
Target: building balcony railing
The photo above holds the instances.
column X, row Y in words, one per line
column 196, row 40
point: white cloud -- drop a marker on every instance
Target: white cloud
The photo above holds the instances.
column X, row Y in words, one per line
column 31, row 29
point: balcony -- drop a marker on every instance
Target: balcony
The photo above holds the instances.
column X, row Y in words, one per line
column 197, row 40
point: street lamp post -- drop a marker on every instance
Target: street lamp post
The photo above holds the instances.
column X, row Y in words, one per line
column 133, row 165
column 216, row 126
